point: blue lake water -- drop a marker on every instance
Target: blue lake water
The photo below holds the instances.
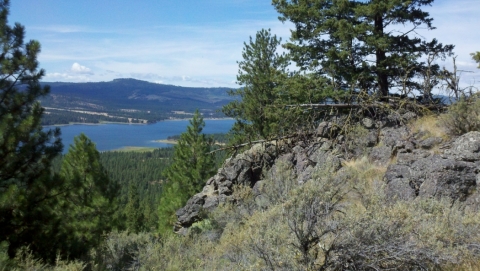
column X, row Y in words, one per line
column 117, row 136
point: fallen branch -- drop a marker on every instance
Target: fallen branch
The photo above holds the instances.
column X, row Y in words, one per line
column 251, row 143
column 327, row 105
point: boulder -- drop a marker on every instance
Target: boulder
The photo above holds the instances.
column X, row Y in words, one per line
column 452, row 174
column 466, row 147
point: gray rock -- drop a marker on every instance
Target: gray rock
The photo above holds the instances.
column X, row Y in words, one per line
column 301, row 159
column 244, row 169
column 233, row 169
column 328, row 129
column 407, row 158
column 400, row 189
column 446, row 178
column 326, row 145
column 393, row 136
column 417, row 173
column 466, row 147
column 380, row 155
column 210, row 203
column 371, row 139
column 409, row 116
column 368, row 123
column 189, row 214
column 305, row 175
column 286, row 159
column 326, row 162
column 432, row 176
column 397, row 171
column 430, row 142
column 472, row 204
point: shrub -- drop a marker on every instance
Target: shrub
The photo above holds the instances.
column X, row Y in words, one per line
column 463, row 116
column 25, row 260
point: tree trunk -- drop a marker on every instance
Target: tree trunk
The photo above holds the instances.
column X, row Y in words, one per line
column 382, row 76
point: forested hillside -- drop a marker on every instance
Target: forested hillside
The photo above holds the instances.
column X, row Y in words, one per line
column 128, row 100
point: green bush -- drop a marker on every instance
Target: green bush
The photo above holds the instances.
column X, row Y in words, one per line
column 463, row 116
column 25, row 260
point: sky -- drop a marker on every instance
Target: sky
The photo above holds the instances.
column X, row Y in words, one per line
column 189, row 42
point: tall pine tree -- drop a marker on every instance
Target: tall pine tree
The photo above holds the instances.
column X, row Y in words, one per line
column 360, row 45
column 261, row 72
column 90, row 197
column 190, row 169
column 27, row 188
column 133, row 213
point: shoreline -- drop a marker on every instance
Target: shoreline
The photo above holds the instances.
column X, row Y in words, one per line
column 166, row 141
column 126, row 123
column 134, row 149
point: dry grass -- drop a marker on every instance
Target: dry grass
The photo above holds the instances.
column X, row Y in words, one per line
column 430, row 126
column 365, row 170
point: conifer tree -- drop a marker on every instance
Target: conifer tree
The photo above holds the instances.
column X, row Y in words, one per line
column 190, row 169
column 133, row 213
column 362, row 45
column 476, row 57
column 260, row 74
column 27, row 188
column 90, row 197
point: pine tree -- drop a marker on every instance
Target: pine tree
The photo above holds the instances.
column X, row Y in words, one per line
column 355, row 43
column 190, row 169
column 133, row 213
column 476, row 57
column 27, row 188
column 89, row 202
column 261, row 72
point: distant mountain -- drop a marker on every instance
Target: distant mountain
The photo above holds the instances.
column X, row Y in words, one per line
column 131, row 98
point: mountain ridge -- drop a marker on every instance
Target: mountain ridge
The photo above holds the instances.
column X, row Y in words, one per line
column 127, row 98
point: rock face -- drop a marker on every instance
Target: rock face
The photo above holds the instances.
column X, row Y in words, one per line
column 416, row 166
column 247, row 169
column 244, row 169
column 452, row 174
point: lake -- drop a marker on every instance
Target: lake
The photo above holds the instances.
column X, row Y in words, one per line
column 116, row 136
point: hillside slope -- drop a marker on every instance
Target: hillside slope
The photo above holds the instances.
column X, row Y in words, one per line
column 130, row 98
column 386, row 196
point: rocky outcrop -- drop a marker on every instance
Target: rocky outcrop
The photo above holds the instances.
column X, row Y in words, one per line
column 452, row 173
column 248, row 168
column 417, row 166
column 244, row 169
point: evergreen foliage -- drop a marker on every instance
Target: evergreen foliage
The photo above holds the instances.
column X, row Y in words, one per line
column 27, row 189
column 90, row 197
column 476, row 57
column 190, row 168
column 145, row 169
column 260, row 74
column 263, row 110
column 133, row 212
column 337, row 39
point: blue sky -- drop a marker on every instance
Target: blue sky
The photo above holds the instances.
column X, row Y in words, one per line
column 188, row 42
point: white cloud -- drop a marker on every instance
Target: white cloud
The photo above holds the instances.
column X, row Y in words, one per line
column 77, row 68
column 68, row 77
